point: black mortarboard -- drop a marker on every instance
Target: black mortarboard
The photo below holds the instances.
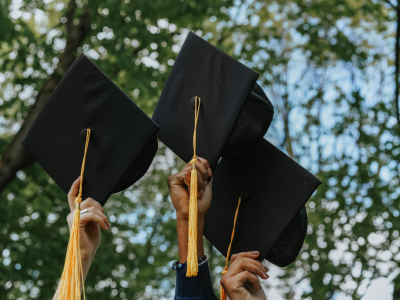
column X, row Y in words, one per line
column 272, row 217
column 122, row 143
column 234, row 110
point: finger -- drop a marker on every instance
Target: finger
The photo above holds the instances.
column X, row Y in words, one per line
column 92, row 217
column 256, row 263
column 200, row 193
column 206, row 172
column 70, row 219
column 202, row 168
column 205, row 162
column 91, row 202
column 207, row 165
column 200, row 181
column 246, row 276
column 235, row 283
column 247, row 264
column 73, row 192
column 98, row 212
column 186, row 176
column 201, row 175
column 180, row 178
column 251, row 254
column 248, row 255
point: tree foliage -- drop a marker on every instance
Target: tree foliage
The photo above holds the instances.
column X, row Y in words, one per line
column 325, row 65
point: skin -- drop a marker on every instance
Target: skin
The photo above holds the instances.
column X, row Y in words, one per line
column 240, row 281
column 90, row 227
column 179, row 188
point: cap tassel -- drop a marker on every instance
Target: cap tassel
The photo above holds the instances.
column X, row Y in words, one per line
column 192, row 264
column 72, row 276
column 222, row 291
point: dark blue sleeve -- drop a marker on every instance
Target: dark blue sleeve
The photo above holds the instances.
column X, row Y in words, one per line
column 194, row 288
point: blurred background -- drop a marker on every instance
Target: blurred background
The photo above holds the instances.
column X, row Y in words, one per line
column 328, row 66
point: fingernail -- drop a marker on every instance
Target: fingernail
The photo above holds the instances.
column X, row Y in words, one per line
column 205, row 183
column 267, row 276
column 265, row 268
column 254, row 253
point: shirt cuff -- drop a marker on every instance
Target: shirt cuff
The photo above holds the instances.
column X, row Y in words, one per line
column 194, row 288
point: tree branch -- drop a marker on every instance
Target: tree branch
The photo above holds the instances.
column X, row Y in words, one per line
column 15, row 157
column 391, row 4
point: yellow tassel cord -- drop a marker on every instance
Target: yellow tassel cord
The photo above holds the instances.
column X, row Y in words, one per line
column 72, row 276
column 192, row 264
column 222, row 291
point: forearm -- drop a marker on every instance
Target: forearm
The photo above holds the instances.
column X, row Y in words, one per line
column 86, row 263
column 182, row 229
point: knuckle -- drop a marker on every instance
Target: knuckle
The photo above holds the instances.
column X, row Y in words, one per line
column 187, row 175
column 223, row 281
column 169, row 180
column 70, row 216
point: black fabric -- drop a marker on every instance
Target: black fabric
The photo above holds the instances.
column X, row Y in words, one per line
column 227, row 119
column 122, row 135
column 278, row 186
column 139, row 167
column 287, row 247
column 194, row 288
column 252, row 124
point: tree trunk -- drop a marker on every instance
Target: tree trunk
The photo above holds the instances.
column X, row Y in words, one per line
column 15, row 157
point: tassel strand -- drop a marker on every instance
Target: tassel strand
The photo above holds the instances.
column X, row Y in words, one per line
column 222, row 291
column 72, row 276
column 192, row 264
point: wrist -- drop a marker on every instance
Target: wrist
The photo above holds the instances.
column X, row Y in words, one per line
column 87, row 256
column 86, row 260
column 185, row 217
column 182, row 217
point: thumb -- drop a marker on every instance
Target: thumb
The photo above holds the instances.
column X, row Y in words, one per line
column 73, row 192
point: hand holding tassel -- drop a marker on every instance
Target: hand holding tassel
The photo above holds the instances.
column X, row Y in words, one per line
column 241, row 279
column 91, row 221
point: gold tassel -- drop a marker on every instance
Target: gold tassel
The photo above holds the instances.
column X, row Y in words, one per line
column 72, row 276
column 222, row 291
column 192, row 264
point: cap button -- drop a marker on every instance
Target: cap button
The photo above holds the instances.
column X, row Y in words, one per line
column 245, row 195
column 83, row 134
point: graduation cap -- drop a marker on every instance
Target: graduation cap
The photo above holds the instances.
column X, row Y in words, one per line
column 88, row 116
column 234, row 110
column 123, row 138
column 210, row 106
column 271, row 218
